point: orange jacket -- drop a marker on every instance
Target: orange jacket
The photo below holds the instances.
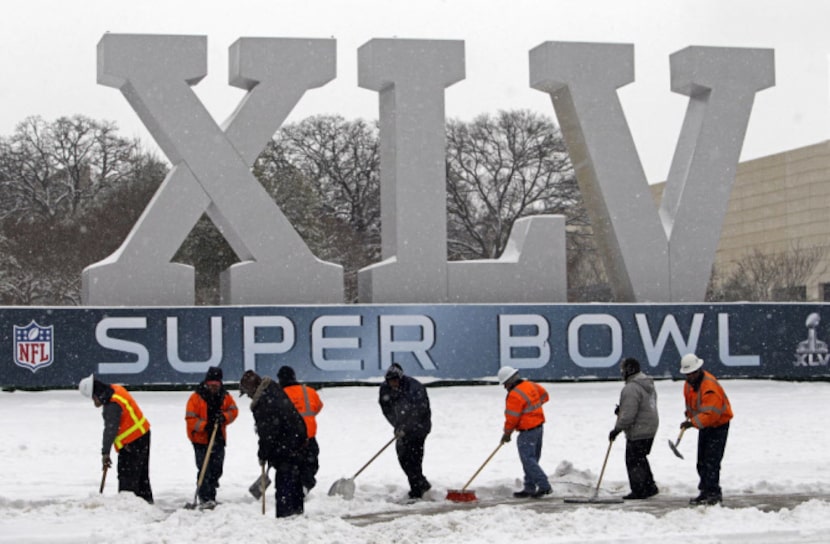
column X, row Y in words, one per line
column 196, row 417
column 133, row 424
column 308, row 403
column 523, row 407
column 708, row 406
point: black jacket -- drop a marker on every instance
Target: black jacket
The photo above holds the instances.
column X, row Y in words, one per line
column 281, row 429
column 407, row 408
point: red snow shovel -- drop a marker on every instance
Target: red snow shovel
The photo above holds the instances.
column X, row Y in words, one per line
column 674, row 445
column 462, row 495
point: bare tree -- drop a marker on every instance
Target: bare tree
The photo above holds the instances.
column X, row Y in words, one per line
column 324, row 174
column 54, row 171
column 70, row 191
column 774, row 276
column 499, row 169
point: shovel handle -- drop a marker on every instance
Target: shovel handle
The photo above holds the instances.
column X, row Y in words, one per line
column 203, row 471
column 473, row 477
column 602, row 472
column 207, row 459
column 103, row 480
column 375, row 456
column 262, row 488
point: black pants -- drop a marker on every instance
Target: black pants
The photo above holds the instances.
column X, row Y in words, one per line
column 311, row 464
column 410, row 449
column 134, row 468
column 640, row 477
column 288, row 489
column 711, row 444
column 213, row 470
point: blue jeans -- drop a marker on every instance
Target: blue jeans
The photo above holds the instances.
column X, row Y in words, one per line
column 529, row 444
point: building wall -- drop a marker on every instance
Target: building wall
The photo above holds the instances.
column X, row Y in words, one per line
column 778, row 201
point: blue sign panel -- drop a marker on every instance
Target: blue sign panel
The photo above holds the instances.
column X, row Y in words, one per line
column 56, row 347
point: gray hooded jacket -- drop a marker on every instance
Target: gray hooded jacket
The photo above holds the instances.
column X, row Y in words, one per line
column 638, row 408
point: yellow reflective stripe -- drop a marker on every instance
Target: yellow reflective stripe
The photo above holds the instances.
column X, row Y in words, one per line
column 137, row 424
column 528, row 406
column 307, row 411
column 700, row 409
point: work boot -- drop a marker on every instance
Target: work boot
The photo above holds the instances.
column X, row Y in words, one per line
column 640, row 496
column 523, row 494
column 706, row 499
column 539, row 493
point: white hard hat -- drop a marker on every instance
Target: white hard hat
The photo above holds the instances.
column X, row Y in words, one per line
column 85, row 386
column 505, row 373
column 689, row 363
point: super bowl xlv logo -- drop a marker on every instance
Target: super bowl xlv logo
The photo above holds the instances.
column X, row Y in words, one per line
column 812, row 351
column 33, row 346
column 650, row 254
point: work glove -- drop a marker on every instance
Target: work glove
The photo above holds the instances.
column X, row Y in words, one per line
column 505, row 438
column 399, row 433
column 617, row 410
column 262, row 462
column 220, row 418
column 106, row 462
column 613, row 435
column 686, row 424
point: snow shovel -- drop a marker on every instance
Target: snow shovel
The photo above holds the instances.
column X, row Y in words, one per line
column 259, row 486
column 191, row 506
column 345, row 486
column 594, row 498
column 674, row 445
column 462, row 495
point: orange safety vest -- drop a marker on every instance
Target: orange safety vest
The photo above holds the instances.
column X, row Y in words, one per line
column 708, row 406
column 133, row 424
column 308, row 403
column 196, row 417
column 523, row 407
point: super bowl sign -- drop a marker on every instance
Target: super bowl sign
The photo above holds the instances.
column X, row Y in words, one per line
column 33, row 346
column 357, row 343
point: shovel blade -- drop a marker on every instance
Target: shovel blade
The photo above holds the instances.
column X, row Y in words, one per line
column 673, row 447
column 256, row 488
column 455, row 495
column 343, row 487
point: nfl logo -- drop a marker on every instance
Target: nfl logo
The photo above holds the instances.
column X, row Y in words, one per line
column 33, row 346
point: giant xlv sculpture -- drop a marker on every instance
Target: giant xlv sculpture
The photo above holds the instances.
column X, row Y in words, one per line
column 650, row 256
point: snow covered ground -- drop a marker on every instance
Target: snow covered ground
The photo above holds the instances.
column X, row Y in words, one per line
column 50, row 471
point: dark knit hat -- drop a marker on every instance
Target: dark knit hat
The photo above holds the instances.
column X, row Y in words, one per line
column 286, row 376
column 395, row 372
column 214, row 374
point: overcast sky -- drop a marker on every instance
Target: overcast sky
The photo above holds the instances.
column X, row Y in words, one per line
column 48, row 56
